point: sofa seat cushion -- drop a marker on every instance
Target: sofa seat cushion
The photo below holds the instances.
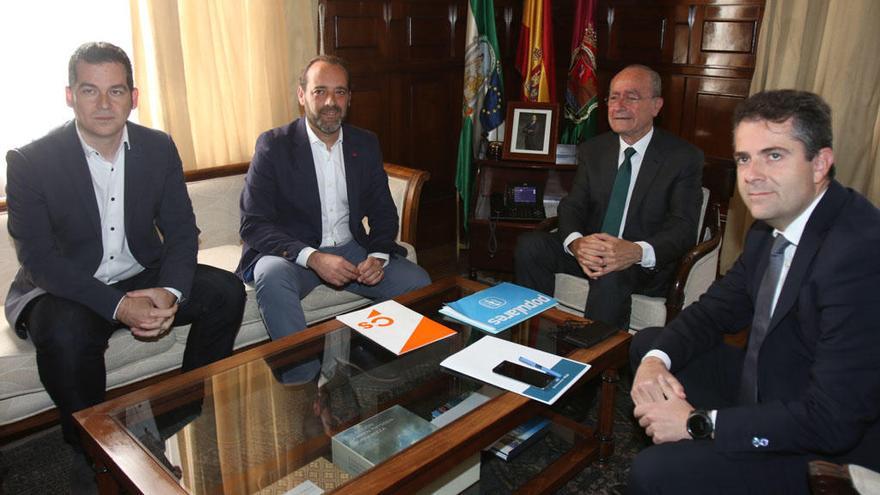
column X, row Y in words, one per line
column 17, row 364
column 226, row 257
column 571, row 292
column 647, row 312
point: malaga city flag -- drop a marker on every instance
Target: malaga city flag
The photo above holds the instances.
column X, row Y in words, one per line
column 582, row 90
column 483, row 106
column 534, row 54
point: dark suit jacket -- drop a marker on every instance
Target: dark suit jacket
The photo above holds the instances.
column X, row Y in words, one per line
column 665, row 204
column 818, row 372
column 281, row 207
column 56, row 227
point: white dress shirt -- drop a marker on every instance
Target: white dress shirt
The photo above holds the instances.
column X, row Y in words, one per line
column 333, row 192
column 649, row 259
column 108, row 180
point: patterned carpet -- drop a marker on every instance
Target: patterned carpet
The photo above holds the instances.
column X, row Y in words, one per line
column 39, row 464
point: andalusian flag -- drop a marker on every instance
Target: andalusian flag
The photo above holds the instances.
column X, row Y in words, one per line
column 534, row 55
column 483, row 93
column 582, row 91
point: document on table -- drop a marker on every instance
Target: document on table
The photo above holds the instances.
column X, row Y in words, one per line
column 480, row 358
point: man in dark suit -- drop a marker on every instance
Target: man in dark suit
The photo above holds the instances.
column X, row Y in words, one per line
column 632, row 211
column 807, row 386
column 106, row 237
column 309, row 186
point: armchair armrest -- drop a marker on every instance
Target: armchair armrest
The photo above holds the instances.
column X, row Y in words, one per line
column 827, row 478
column 676, row 295
column 413, row 180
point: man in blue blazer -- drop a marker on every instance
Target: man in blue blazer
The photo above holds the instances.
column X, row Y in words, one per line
column 309, row 186
column 807, row 386
column 106, row 237
column 658, row 176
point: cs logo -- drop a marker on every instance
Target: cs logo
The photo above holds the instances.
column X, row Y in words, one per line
column 492, row 302
column 376, row 319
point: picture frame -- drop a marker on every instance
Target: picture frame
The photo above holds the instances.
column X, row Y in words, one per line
column 532, row 131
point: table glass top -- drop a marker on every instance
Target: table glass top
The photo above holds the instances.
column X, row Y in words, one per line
column 267, row 425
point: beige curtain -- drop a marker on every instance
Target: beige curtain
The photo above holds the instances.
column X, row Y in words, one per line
column 831, row 48
column 217, row 74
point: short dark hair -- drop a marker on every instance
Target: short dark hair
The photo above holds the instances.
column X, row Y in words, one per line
column 99, row 52
column 810, row 114
column 330, row 59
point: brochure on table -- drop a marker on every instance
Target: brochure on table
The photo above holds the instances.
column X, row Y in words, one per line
column 395, row 327
column 478, row 359
column 498, row 308
column 517, row 439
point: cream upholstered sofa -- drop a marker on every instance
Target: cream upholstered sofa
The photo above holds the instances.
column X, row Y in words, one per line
column 128, row 360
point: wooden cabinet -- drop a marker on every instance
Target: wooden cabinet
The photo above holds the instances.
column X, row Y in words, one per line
column 492, row 242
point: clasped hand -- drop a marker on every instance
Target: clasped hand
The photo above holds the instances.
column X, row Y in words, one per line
column 600, row 254
column 337, row 271
column 660, row 402
column 148, row 313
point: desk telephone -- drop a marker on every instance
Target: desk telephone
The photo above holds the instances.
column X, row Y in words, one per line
column 518, row 202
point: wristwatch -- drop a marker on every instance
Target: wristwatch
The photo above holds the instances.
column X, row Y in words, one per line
column 699, row 424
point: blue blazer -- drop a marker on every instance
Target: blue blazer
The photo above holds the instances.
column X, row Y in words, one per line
column 818, row 372
column 281, row 207
column 55, row 224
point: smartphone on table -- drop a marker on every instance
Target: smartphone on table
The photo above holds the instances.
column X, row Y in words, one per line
column 524, row 374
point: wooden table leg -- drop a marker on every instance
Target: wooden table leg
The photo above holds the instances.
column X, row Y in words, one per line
column 606, row 415
column 107, row 485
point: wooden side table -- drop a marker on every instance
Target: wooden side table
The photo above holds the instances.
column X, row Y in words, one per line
column 492, row 243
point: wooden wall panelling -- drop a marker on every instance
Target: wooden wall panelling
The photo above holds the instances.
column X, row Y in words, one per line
column 430, row 31
column 357, row 31
column 370, row 97
column 431, row 79
column 726, row 35
column 406, row 61
column 433, row 147
column 707, row 114
column 634, row 32
column 682, row 20
column 674, row 95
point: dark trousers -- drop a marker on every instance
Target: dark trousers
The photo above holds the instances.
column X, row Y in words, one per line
column 71, row 339
column 711, row 382
column 540, row 255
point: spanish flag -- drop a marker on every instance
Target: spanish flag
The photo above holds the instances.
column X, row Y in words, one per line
column 534, row 54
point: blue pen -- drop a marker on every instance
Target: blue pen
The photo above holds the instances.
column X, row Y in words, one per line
column 533, row 364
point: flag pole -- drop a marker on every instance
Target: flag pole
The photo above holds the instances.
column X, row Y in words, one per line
column 457, row 228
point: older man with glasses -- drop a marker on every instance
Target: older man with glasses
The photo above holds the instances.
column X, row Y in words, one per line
column 632, row 211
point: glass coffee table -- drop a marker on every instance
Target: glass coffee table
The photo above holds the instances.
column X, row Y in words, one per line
column 242, row 425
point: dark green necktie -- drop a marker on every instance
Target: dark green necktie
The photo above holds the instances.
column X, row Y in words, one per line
column 617, row 203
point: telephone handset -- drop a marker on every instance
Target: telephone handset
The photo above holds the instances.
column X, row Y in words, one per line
column 518, row 202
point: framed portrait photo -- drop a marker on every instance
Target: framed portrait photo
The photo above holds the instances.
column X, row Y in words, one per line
column 531, row 131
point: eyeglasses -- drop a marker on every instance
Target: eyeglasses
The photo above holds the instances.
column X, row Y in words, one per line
column 627, row 99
